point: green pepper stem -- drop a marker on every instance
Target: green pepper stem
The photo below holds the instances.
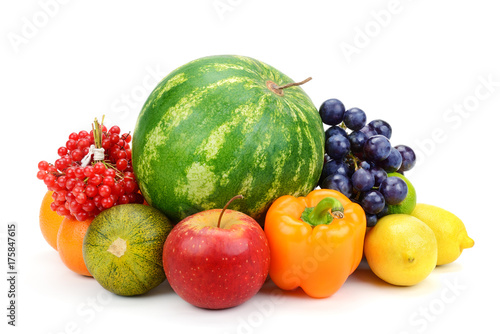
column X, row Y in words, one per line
column 320, row 214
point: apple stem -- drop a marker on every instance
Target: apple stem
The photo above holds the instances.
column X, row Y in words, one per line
column 225, row 207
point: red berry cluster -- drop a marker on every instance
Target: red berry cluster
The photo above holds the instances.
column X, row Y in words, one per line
column 84, row 191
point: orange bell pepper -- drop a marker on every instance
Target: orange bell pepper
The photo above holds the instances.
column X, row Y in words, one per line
column 316, row 241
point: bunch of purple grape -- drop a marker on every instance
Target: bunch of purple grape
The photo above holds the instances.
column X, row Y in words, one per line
column 358, row 158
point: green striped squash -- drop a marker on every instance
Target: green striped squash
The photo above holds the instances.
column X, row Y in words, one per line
column 218, row 127
column 123, row 248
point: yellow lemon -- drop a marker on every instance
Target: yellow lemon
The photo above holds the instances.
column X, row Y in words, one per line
column 401, row 249
column 450, row 231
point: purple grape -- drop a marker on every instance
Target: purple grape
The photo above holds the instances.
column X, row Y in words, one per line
column 377, row 148
column 355, row 119
column 332, row 112
column 338, row 182
column 408, row 157
column 334, row 130
column 392, row 162
column 362, row 180
column 358, row 140
column 371, row 220
column 368, row 131
column 334, row 167
column 394, row 190
column 373, row 202
column 337, row 146
column 379, row 174
column 381, row 127
column 384, row 212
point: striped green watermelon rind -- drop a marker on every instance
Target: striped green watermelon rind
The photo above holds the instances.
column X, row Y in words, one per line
column 212, row 129
column 140, row 268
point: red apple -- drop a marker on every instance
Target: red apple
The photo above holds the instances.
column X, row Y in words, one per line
column 217, row 258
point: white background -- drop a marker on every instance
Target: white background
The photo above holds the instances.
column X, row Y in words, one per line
column 429, row 68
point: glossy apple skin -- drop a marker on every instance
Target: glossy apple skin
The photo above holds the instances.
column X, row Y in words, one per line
column 216, row 267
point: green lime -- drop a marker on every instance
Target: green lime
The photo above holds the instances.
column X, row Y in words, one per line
column 408, row 204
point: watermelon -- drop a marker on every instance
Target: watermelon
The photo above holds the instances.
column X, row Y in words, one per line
column 218, row 127
column 123, row 248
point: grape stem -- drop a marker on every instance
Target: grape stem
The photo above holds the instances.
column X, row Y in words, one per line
column 358, row 195
column 355, row 160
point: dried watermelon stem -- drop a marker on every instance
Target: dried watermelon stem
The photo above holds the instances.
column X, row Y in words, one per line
column 278, row 90
column 292, row 84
